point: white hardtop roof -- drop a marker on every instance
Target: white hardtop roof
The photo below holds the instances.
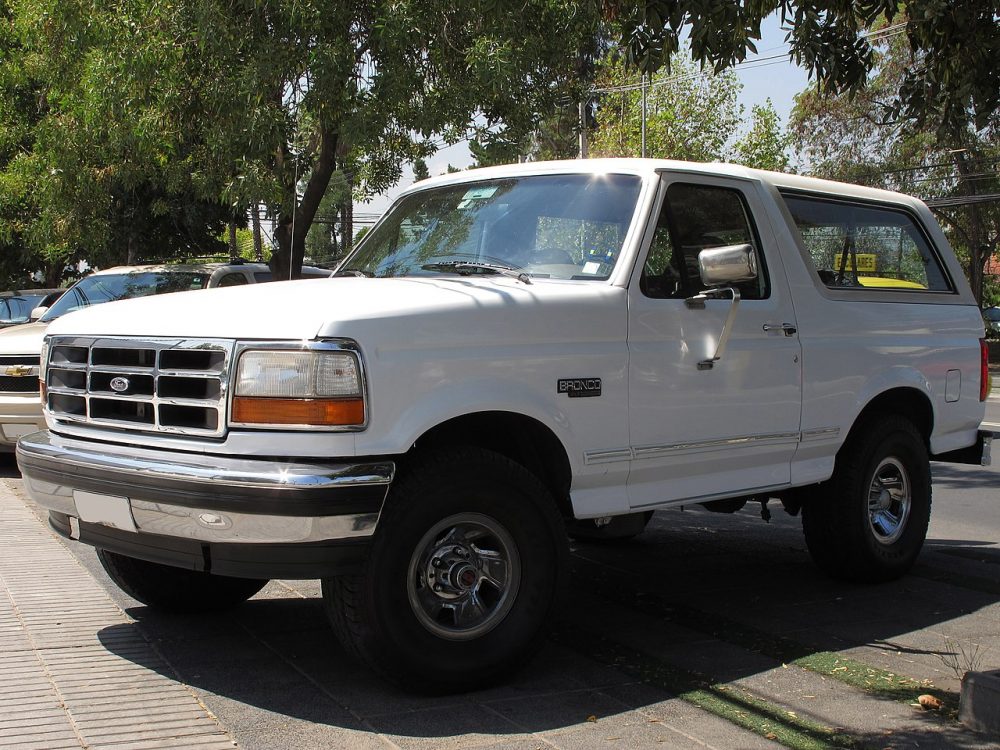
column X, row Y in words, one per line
column 649, row 167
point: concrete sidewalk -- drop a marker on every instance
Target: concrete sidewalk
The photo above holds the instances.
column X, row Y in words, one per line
column 60, row 686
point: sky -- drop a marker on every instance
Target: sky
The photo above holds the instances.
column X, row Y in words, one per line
column 762, row 78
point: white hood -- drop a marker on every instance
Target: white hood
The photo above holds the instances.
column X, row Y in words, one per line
column 23, row 339
column 400, row 310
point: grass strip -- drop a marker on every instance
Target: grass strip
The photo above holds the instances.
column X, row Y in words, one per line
column 737, row 706
column 874, row 681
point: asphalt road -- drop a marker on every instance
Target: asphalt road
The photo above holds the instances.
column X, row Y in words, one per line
column 992, row 420
column 707, row 631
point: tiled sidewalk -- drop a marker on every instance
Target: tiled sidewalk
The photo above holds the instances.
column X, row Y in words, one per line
column 60, row 685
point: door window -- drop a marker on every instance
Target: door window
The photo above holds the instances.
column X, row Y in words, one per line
column 694, row 218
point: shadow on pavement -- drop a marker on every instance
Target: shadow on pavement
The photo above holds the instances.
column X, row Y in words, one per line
column 708, row 599
column 8, row 466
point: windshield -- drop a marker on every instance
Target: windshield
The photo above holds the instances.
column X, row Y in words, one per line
column 552, row 226
column 992, row 314
column 101, row 288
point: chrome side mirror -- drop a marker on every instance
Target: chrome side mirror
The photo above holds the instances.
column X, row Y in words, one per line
column 729, row 264
column 37, row 313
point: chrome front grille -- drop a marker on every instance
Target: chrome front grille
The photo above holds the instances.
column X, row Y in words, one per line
column 174, row 386
column 18, row 374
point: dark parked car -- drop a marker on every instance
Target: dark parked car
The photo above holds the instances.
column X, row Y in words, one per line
column 991, row 316
column 16, row 306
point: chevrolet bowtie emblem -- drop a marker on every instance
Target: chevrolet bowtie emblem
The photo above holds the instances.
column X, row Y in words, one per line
column 20, row 371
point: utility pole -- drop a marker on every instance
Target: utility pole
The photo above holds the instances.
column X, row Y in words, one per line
column 583, row 130
column 643, row 115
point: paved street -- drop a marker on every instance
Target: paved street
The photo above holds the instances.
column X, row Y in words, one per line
column 707, row 631
column 992, row 421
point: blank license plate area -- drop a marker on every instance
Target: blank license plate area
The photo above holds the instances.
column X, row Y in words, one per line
column 107, row 510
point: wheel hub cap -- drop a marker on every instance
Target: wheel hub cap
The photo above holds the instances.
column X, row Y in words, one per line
column 889, row 501
column 463, row 576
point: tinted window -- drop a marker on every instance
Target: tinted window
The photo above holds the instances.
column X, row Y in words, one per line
column 100, row 288
column 862, row 246
column 694, row 218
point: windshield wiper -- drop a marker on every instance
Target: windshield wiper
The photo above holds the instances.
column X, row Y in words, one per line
column 458, row 266
column 355, row 272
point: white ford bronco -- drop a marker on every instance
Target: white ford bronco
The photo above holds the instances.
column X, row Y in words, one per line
column 513, row 354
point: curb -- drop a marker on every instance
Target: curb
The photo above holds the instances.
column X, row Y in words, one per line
column 979, row 705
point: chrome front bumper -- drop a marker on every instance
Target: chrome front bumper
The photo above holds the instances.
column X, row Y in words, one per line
column 205, row 498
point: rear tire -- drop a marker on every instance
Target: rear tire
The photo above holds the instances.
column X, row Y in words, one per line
column 869, row 521
column 463, row 577
column 176, row 589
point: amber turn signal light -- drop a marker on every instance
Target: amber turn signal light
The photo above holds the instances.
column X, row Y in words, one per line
column 337, row 412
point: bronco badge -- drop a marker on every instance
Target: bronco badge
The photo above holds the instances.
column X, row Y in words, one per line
column 579, row 387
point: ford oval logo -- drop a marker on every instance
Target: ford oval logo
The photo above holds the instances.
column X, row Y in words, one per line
column 119, row 384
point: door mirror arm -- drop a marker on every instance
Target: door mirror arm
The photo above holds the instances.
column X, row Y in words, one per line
column 698, row 303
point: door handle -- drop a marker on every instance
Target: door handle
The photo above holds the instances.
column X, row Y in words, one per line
column 787, row 328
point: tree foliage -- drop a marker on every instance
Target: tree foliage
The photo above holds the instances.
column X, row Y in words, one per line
column 187, row 113
column 953, row 46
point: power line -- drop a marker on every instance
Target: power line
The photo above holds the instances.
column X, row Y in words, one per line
column 961, row 200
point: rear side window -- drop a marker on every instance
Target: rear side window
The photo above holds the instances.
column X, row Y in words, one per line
column 861, row 246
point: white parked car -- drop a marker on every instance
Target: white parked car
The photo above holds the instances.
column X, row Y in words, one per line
column 510, row 353
column 20, row 405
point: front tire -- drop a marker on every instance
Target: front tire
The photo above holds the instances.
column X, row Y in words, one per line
column 463, row 576
column 176, row 589
column 869, row 521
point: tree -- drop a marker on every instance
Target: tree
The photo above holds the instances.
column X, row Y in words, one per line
column 953, row 46
column 689, row 116
column 266, row 93
column 864, row 138
column 765, row 145
column 420, row 170
column 96, row 174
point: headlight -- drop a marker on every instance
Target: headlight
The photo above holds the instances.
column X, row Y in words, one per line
column 306, row 387
column 43, row 362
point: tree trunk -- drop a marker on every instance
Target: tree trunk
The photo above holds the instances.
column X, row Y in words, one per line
column 133, row 252
column 258, row 244
column 347, row 219
column 298, row 215
column 54, row 273
column 234, row 249
column 977, row 229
